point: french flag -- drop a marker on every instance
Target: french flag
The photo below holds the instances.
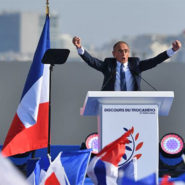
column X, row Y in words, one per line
column 55, row 174
column 103, row 168
column 29, row 128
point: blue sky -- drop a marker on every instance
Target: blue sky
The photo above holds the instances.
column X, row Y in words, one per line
column 98, row 21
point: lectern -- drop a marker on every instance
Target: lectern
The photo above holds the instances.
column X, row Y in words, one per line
column 118, row 111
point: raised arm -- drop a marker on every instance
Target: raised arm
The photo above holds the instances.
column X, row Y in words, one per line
column 90, row 60
column 152, row 62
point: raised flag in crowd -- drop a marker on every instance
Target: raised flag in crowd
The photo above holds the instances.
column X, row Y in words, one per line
column 36, row 169
column 75, row 165
column 29, row 128
column 55, row 174
column 103, row 168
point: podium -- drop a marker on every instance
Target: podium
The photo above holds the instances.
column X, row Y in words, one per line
column 118, row 111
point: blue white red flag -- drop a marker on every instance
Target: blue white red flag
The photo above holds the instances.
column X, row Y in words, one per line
column 74, row 163
column 29, row 128
column 55, row 174
column 103, row 168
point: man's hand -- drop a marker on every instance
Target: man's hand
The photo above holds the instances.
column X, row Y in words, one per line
column 176, row 45
column 76, row 42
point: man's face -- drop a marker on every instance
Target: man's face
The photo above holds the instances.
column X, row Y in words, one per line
column 121, row 52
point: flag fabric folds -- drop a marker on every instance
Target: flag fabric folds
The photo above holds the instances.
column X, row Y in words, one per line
column 129, row 170
column 55, row 174
column 36, row 169
column 74, row 163
column 29, row 128
column 103, row 168
column 34, row 177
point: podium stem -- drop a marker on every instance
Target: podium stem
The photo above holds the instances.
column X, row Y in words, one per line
column 49, row 124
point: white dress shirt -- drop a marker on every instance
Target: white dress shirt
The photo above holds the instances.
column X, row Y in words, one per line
column 128, row 77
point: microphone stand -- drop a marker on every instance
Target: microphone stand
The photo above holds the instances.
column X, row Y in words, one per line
column 132, row 71
column 148, row 83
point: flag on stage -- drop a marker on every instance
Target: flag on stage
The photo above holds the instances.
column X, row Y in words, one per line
column 29, row 128
column 103, row 168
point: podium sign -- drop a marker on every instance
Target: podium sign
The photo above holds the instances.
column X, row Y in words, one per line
column 116, row 119
column 118, row 112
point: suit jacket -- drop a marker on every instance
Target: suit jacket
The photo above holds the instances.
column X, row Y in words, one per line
column 108, row 68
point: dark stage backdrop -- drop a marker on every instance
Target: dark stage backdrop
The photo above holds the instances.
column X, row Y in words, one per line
column 70, row 83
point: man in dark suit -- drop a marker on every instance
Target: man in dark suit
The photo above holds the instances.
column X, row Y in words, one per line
column 122, row 73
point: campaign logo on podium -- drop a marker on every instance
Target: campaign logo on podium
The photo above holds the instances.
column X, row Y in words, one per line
column 132, row 150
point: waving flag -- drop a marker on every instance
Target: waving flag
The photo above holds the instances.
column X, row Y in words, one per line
column 103, row 168
column 29, row 128
column 55, row 174
column 36, row 169
column 74, row 163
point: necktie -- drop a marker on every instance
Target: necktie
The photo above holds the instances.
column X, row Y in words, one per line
column 122, row 79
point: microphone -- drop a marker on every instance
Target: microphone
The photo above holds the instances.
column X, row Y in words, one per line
column 143, row 79
column 133, row 71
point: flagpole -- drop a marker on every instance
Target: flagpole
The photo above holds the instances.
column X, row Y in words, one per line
column 51, row 68
column 47, row 7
